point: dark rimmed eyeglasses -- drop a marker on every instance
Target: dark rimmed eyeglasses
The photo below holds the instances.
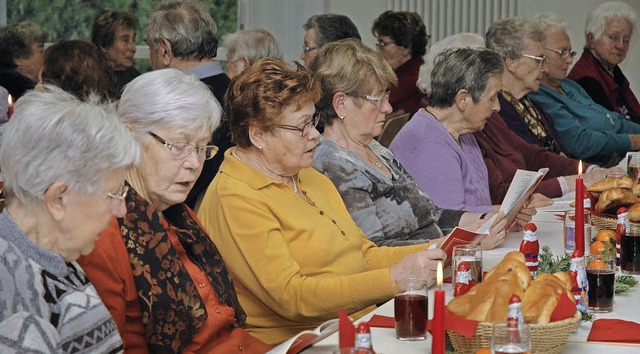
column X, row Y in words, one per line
column 539, row 59
column 563, row 53
column 381, row 44
column 120, row 194
column 306, row 128
column 307, row 49
column 182, row 149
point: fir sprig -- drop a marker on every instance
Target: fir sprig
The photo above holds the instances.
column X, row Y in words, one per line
column 624, row 283
column 549, row 264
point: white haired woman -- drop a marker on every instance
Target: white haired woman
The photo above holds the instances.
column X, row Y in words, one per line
column 608, row 33
column 64, row 164
column 244, row 47
column 157, row 270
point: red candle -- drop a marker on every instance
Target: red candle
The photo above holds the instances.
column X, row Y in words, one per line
column 10, row 109
column 437, row 342
column 579, row 229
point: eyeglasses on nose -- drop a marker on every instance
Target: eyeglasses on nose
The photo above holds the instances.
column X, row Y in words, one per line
column 306, row 128
column 381, row 44
column 307, row 49
column 563, row 53
column 120, row 194
column 181, row 150
column 377, row 100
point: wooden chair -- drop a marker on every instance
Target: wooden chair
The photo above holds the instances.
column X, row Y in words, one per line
column 395, row 121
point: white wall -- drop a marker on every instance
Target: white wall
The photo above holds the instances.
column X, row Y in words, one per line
column 284, row 18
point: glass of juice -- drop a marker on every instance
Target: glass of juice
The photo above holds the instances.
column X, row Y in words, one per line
column 410, row 310
column 601, row 275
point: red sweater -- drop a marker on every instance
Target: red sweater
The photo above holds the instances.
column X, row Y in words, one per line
column 406, row 96
column 613, row 93
column 504, row 153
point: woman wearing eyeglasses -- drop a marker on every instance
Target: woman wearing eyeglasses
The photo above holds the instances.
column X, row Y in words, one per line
column 402, row 40
column 608, row 34
column 325, row 28
column 294, row 252
column 158, row 272
column 588, row 131
column 520, row 47
column 381, row 196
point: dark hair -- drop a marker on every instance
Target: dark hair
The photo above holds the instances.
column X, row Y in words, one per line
column 16, row 41
column 105, row 26
column 405, row 28
column 188, row 26
column 260, row 94
column 462, row 69
column 79, row 68
column 331, row 27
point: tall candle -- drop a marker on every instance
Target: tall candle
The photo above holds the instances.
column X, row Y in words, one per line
column 10, row 109
column 437, row 342
column 579, row 229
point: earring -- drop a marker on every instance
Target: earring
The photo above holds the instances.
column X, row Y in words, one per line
column 260, row 147
column 341, row 117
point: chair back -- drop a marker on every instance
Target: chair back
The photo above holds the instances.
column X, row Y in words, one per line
column 395, row 121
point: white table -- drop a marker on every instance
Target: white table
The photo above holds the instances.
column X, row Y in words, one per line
column 549, row 233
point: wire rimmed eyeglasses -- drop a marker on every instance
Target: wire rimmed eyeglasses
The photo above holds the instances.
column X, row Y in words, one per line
column 120, row 194
column 306, row 127
column 307, row 49
column 181, row 150
column 377, row 100
column 563, row 53
column 539, row 59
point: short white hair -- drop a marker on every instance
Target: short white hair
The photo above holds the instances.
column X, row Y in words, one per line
column 601, row 14
column 168, row 99
column 548, row 22
column 54, row 137
column 254, row 44
column 459, row 40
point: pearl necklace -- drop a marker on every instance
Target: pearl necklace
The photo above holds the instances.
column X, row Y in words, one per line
column 293, row 179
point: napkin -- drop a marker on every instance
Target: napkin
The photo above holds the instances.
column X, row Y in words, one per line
column 564, row 309
column 347, row 331
column 458, row 324
column 382, row 321
column 611, row 330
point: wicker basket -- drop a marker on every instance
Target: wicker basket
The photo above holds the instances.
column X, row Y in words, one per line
column 545, row 338
column 610, row 222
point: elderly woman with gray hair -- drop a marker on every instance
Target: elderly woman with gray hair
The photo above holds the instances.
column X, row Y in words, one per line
column 64, row 164
column 244, row 47
column 157, row 270
column 608, row 33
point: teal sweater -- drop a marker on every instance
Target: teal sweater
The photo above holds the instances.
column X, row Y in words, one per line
column 587, row 130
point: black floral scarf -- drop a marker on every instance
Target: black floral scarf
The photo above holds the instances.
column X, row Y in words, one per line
column 172, row 309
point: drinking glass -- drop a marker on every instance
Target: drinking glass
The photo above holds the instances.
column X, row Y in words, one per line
column 472, row 254
column 633, row 166
column 570, row 234
column 601, row 275
column 411, row 310
column 506, row 339
column 630, row 252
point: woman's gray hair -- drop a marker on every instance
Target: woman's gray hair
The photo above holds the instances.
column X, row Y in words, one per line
column 508, row 36
column 168, row 99
column 460, row 40
column 548, row 22
column 253, row 44
column 462, row 69
column 188, row 26
column 598, row 17
column 54, row 137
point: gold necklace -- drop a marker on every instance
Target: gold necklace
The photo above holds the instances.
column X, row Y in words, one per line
column 293, row 179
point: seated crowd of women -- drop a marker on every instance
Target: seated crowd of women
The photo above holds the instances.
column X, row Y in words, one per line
column 296, row 224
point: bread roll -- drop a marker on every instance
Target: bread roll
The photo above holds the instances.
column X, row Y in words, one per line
column 634, row 212
column 611, row 182
column 542, row 296
column 636, row 190
column 512, row 266
column 614, row 198
column 490, row 300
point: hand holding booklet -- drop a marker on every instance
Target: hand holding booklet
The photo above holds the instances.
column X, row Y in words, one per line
column 522, row 186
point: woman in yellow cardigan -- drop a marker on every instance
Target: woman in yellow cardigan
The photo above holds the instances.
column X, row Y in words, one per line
column 294, row 252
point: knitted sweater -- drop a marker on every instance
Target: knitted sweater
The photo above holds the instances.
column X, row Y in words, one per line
column 46, row 304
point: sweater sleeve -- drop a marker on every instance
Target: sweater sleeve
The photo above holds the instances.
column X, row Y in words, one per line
column 580, row 141
column 26, row 332
column 258, row 254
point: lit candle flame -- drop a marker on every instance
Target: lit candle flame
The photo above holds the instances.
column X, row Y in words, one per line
column 10, row 100
column 580, row 169
column 439, row 274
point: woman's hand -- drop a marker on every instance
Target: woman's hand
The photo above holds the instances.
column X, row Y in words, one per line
column 420, row 265
column 497, row 233
column 536, row 200
column 598, row 174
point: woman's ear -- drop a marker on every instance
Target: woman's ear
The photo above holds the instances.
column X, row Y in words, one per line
column 338, row 103
column 462, row 99
column 245, row 62
column 591, row 40
column 166, row 52
column 256, row 135
column 55, row 200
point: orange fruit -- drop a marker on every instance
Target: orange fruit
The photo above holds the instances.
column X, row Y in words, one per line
column 606, row 235
column 597, row 247
column 484, row 351
column 597, row 264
